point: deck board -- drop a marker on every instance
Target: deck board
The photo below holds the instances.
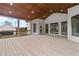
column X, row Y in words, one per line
column 40, row 45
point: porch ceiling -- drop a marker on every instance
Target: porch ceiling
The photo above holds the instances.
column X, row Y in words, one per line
column 32, row 11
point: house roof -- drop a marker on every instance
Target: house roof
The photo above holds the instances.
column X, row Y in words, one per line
column 7, row 27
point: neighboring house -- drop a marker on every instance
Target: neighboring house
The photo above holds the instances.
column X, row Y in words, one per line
column 7, row 29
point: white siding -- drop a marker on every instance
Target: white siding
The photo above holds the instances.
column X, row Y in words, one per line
column 39, row 22
column 72, row 12
column 56, row 18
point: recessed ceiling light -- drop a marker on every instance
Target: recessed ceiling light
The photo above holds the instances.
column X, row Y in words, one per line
column 32, row 11
column 28, row 16
column 51, row 10
column 61, row 10
column 11, row 3
column 10, row 12
column 44, row 16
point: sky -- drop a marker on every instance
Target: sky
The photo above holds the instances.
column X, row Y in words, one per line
column 12, row 21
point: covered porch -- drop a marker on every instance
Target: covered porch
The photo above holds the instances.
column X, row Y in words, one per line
column 47, row 34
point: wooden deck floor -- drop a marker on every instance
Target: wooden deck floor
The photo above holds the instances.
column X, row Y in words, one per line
column 40, row 45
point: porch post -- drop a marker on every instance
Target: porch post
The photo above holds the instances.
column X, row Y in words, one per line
column 18, row 28
column 59, row 24
column 49, row 28
column 29, row 28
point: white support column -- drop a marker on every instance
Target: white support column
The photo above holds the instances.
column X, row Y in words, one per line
column 59, row 24
column 29, row 29
column 49, row 28
column 44, row 29
column 18, row 28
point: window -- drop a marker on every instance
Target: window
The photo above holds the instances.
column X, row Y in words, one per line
column 54, row 28
column 75, row 26
column 64, row 28
column 46, row 26
column 40, row 29
column 34, row 27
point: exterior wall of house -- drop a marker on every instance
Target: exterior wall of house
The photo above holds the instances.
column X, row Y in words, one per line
column 38, row 22
column 29, row 30
column 56, row 18
column 72, row 12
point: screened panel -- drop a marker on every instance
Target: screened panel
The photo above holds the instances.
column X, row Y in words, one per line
column 46, row 30
column 75, row 26
column 34, row 27
column 64, row 28
column 54, row 28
